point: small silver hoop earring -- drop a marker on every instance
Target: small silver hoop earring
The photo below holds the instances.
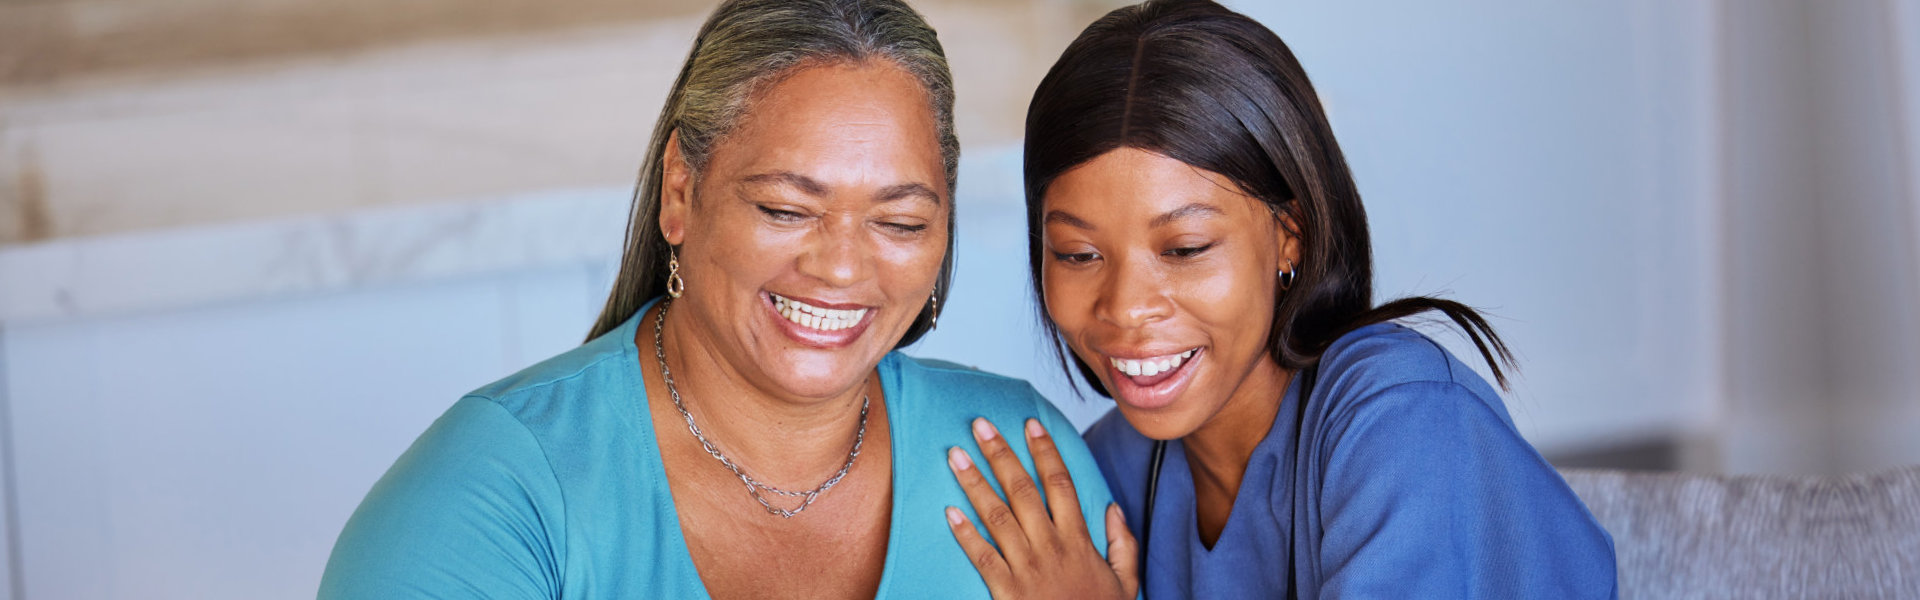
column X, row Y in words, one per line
column 675, row 285
column 1286, row 277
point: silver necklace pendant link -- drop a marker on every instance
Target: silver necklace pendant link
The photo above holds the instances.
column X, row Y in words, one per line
column 754, row 487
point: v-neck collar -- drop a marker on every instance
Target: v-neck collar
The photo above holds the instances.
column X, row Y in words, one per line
column 1256, row 483
column 642, row 417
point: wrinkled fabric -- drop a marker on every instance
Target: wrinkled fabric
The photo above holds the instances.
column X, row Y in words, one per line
column 1411, row 482
column 549, row 484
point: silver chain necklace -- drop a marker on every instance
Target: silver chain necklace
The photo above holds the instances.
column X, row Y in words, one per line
column 754, row 487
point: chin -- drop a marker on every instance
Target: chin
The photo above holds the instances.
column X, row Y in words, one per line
column 1165, row 424
column 818, row 374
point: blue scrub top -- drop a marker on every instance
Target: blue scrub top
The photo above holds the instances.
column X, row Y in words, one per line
column 549, row 484
column 1412, row 483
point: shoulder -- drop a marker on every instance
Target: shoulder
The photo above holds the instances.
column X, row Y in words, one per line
column 476, row 479
column 1390, row 367
column 938, row 389
column 1391, row 353
column 1414, row 449
column 955, row 378
column 597, row 364
column 494, row 452
column 475, row 445
column 935, row 405
column 471, row 449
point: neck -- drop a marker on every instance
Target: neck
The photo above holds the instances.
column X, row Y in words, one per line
column 1218, row 452
column 781, row 440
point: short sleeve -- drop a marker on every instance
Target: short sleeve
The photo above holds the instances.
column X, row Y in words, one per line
column 1427, row 492
column 471, row 510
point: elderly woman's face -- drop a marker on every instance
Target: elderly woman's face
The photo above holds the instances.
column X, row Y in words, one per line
column 814, row 235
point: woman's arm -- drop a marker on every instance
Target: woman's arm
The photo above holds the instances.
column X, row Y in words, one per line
column 472, row 510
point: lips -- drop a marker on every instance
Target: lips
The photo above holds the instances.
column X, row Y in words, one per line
column 815, row 317
column 818, row 324
column 1151, row 367
column 1153, row 381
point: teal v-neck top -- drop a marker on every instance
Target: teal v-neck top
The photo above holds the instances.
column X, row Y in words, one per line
column 549, row 484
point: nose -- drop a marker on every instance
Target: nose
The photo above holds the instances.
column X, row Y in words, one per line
column 837, row 255
column 1133, row 295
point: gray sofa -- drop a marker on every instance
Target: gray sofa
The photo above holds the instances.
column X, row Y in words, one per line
column 1680, row 535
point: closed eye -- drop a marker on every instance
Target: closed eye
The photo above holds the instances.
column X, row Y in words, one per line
column 1075, row 258
column 1187, row 252
column 904, row 227
column 783, row 216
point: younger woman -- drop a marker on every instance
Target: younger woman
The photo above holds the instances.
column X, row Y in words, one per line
column 1200, row 247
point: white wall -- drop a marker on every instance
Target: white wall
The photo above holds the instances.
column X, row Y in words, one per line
column 1554, row 164
column 1822, row 268
column 1697, row 219
column 214, row 452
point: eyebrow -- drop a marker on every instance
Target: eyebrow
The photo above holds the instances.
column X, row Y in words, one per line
column 1191, row 210
column 907, row 190
column 811, row 187
column 805, row 184
column 1066, row 218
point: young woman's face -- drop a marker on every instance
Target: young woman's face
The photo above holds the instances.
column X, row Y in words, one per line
column 1162, row 278
column 815, row 233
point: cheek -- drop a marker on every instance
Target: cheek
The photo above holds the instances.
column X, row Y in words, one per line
column 1069, row 297
column 911, row 266
column 740, row 243
column 1234, row 300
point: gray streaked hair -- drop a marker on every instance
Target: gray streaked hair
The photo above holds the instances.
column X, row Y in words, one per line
column 744, row 47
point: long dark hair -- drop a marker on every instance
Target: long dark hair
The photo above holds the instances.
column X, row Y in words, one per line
column 1209, row 87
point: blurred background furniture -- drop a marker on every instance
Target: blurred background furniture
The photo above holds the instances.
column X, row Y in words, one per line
column 1684, row 535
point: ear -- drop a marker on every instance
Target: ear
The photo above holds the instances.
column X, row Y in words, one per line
column 1286, row 239
column 676, row 191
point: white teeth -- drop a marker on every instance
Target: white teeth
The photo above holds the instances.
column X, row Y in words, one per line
column 814, row 317
column 1152, row 366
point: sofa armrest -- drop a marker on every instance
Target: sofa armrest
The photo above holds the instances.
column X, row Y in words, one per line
column 1690, row 535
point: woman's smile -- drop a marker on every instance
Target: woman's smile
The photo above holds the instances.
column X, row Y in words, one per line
column 817, row 323
column 1162, row 278
column 1155, row 380
column 814, row 237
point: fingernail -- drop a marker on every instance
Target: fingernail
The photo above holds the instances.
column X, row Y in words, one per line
column 958, row 458
column 954, row 517
column 1034, row 430
column 1114, row 507
column 984, row 429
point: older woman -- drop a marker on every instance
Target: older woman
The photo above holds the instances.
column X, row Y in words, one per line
column 740, row 423
column 1202, row 252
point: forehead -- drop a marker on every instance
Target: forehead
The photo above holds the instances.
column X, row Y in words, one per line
column 1132, row 184
column 866, row 123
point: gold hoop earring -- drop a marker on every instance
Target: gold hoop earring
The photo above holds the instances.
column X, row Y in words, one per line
column 675, row 285
column 1286, row 277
